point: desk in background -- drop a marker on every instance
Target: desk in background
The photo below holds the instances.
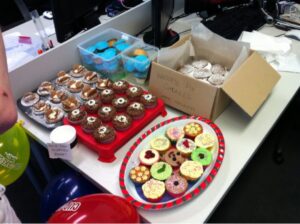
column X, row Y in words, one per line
column 243, row 135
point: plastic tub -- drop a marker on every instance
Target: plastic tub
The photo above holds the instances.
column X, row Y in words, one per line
column 137, row 61
column 102, row 53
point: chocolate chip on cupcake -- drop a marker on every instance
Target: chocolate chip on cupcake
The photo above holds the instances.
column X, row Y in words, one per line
column 122, row 122
column 120, row 103
column 92, row 106
column 134, row 93
column 53, row 115
column 107, row 95
column 104, row 134
column 90, row 124
column 120, row 86
column 149, row 100
column 106, row 113
column 136, row 110
column 76, row 116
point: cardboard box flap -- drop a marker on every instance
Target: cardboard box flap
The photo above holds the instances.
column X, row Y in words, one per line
column 250, row 85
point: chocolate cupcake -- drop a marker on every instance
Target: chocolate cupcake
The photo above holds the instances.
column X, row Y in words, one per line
column 149, row 100
column 88, row 93
column 56, row 96
column 77, row 71
column 45, row 88
column 90, row 77
column 134, row 93
column 104, row 134
column 92, row 106
column 53, row 115
column 40, row 107
column 62, row 78
column 106, row 113
column 29, row 99
column 174, row 157
column 107, row 95
column 90, row 124
column 120, row 86
column 75, row 86
column 102, row 84
column 136, row 110
column 122, row 122
column 71, row 103
column 76, row 116
column 120, row 103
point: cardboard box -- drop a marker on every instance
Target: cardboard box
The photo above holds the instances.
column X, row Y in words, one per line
column 249, row 85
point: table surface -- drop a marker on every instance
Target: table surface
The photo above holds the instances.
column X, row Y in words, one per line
column 243, row 136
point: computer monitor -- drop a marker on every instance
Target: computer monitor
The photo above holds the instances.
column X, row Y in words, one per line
column 72, row 16
column 208, row 7
column 161, row 35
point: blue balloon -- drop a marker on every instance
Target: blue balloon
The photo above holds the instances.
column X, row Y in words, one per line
column 63, row 188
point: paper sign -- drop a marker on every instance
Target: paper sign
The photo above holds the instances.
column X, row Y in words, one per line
column 61, row 151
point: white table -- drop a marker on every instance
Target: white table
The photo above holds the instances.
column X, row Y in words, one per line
column 243, row 135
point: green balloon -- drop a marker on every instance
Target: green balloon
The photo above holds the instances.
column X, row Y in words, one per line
column 14, row 154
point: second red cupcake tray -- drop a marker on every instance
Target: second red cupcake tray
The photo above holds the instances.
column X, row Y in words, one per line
column 106, row 152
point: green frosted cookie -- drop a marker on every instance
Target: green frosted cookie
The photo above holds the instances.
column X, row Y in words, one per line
column 202, row 155
column 161, row 171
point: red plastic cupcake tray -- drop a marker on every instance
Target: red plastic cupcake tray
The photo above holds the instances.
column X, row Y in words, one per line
column 106, row 152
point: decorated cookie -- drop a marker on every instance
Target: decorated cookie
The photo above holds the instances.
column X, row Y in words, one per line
column 107, row 95
column 161, row 171
column 149, row 100
column 205, row 140
column 160, row 143
column 174, row 133
column 89, row 124
column 139, row 174
column 29, row 99
column 185, row 146
column 106, row 113
column 192, row 129
column 191, row 170
column 176, row 185
column 104, row 134
column 134, row 93
column 122, row 122
column 174, row 157
column 136, row 110
column 120, row 103
column 149, row 156
column 92, row 106
column 153, row 190
column 120, row 86
column 202, row 155
column 76, row 116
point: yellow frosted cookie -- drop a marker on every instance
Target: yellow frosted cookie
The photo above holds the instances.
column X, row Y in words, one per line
column 160, row 143
column 153, row 190
column 205, row 140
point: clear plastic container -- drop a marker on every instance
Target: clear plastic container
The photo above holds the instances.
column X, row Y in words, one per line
column 102, row 53
column 137, row 61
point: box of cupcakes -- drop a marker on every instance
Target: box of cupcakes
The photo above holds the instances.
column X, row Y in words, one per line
column 203, row 72
column 172, row 163
column 102, row 53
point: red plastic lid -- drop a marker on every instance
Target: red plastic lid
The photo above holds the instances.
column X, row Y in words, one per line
column 96, row 208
